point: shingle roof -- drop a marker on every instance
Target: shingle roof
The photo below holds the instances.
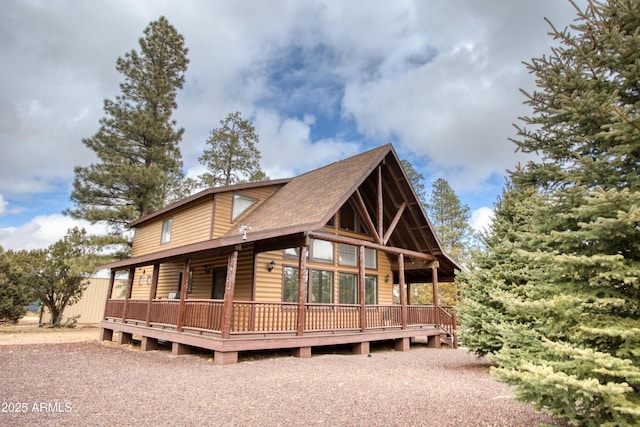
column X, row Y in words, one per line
column 308, row 201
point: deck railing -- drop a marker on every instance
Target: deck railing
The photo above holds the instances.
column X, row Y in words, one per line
column 276, row 317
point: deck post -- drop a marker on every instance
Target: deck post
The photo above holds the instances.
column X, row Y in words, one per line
column 112, row 280
column 127, row 294
column 302, row 267
column 361, row 289
column 230, row 285
column 152, row 291
column 434, row 285
column 403, row 299
column 183, row 293
column 454, row 326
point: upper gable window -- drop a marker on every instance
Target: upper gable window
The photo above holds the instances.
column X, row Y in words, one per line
column 350, row 220
column 240, row 205
column 165, row 237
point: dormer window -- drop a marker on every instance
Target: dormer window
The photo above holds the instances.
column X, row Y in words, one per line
column 240, row 205
column 166, row 231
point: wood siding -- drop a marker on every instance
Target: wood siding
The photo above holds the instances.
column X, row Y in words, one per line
column 190, row 225
column 224, row 205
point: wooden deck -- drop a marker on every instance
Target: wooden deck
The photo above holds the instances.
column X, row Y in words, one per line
column 271, row 325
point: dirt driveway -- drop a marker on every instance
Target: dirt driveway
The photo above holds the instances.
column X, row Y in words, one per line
column 48, row 382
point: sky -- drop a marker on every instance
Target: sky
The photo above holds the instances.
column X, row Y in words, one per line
column 320, row 80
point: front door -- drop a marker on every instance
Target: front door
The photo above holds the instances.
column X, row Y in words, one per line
column 219, row 283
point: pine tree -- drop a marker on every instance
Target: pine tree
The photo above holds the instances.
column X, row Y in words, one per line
column 450, row 218
column 232, row 156
column 567, row 330
column 14, row 294
column 140, row 164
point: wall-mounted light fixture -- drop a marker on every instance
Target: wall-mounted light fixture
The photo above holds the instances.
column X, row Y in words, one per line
column 271, row 265
column 386, row 279
column 207, row 269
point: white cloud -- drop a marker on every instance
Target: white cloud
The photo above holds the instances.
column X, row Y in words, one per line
column 3, row 205
column 42, row 231
column 438, row 79
column 481, row 219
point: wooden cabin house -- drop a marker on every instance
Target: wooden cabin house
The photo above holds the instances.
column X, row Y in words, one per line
column 285, row 264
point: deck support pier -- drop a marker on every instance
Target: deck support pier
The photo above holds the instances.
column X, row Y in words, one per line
column 124, row 338
column 433, row 341
column 106, row 334
column 302, row 352
column 401, row 344
column 360, row 348
column 178, row 349
column 148, row 344
column 221, row 358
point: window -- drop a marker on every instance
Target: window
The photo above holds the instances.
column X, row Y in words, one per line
column 350, row 220
column 189, row 283
column 348, row 292
column 348, row 255
column 348, row 288
column 371, row 290
column 370, row 258
column 240, row 205
column 348, row 217
column 218, row 286
column 322, row 251
column 293, row 253
column 166, row 231
column 321, row 286
column 290, row 284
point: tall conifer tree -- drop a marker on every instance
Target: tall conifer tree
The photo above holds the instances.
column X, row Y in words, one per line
column 232, row 156
column 567, row 325
column 139, row 167
column 450, row 218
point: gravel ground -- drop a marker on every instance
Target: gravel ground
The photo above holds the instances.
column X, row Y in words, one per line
column 93, row 383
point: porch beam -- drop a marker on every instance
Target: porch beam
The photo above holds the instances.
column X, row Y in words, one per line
column 152, row 291
column 394, row 223
column 411, row 266
column 403, row 299
column 356, row 242
column 361, row 289
column 230, row 285
column 183, row 293
column 302, row 268
column 127, row 294
column 362, row 209
column 112, row 280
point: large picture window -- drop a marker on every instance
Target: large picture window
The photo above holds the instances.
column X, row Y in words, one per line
column 321, row 287
column 371, row 290
column 320, row 291
column 348, row 289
